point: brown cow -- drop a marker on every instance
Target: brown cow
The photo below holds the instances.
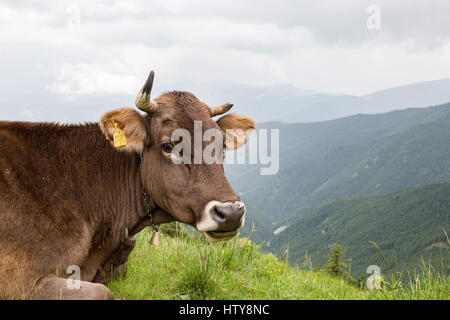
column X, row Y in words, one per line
column 69, row 197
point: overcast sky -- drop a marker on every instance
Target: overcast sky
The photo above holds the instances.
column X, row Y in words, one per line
column 72, row 48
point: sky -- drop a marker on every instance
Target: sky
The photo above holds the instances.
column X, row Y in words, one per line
column 86, row 48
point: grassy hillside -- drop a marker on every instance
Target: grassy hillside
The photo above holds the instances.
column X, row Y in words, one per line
column 406, row 225
column 359, row 155
column 188, row 267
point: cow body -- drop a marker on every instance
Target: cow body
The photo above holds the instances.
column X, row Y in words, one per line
column 66, row 198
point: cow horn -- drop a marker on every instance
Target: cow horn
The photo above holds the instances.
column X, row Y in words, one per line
column 218, row 110
column 143, row 101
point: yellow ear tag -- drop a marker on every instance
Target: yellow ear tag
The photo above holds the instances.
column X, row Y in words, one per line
column 119, row 137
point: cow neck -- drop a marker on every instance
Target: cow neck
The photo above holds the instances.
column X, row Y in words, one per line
column 145, row 197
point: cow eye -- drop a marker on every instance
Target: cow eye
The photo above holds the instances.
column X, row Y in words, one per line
column 167, row 147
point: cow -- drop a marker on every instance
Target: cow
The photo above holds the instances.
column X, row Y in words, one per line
column 70, row 195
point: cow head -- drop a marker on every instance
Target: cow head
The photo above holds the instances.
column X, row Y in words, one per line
column 194, row 193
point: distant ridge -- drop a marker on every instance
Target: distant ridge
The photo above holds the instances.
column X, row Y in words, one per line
column 281, row 102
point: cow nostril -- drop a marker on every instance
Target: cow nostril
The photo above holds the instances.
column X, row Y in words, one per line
column 219, row 214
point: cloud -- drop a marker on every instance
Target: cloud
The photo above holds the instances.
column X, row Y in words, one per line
column 85, row 79
column 322, row 46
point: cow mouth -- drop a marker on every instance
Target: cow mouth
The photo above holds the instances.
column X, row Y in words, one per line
column 219, row 235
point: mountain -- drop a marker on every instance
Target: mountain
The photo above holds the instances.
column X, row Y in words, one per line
column 282, row 102
column 261, row 103
column 285, row 103
column 358, row 155
column 406, row 225
column 46, row 107
column 413, row 95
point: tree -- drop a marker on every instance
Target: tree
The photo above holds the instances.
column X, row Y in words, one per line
column 336, row 266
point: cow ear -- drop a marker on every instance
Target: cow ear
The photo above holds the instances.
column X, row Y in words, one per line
column 236, row 129
column 125, row 129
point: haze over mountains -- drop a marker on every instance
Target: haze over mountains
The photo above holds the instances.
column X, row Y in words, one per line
column 283, row 103
column 360, row 155
column 286, row 103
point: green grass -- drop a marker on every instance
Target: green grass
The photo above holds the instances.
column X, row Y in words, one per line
column 188, row 267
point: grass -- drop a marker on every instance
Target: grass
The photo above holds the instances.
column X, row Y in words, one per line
column 186, row 266
column 423, row 284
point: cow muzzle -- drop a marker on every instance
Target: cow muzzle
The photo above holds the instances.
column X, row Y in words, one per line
column 220, row 220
